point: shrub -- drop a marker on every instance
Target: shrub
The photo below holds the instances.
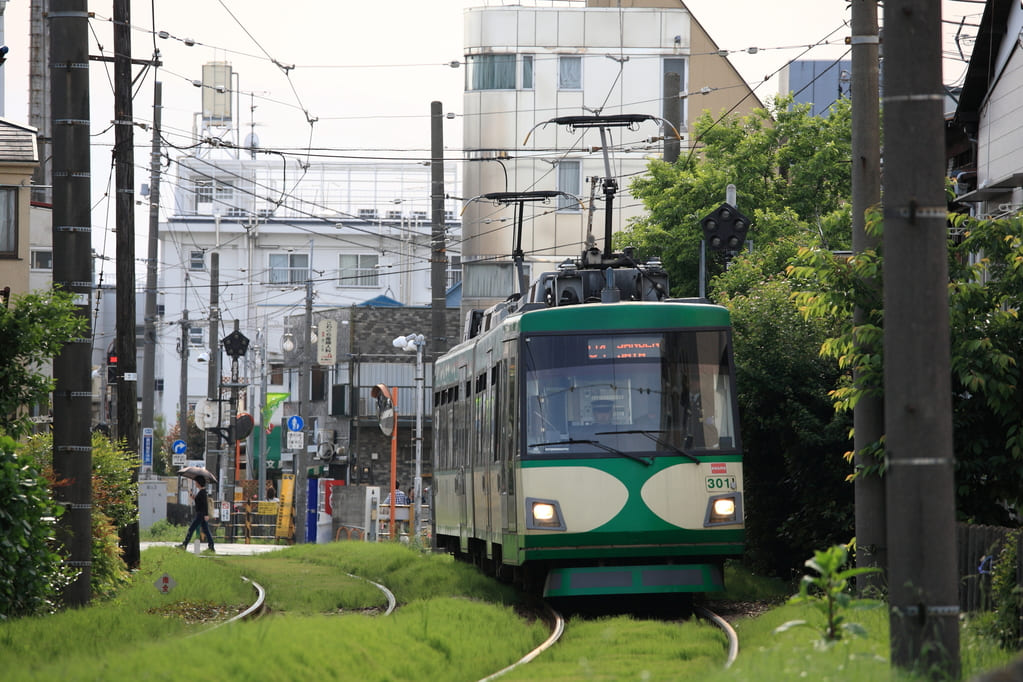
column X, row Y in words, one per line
column 31, row 572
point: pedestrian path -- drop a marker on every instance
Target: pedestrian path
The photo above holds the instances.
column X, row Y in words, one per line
column 223, row 548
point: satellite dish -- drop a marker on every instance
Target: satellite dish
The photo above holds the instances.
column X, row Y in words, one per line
column 207, row 414
column 252, row 141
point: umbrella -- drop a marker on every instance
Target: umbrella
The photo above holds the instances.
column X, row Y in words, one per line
column 197, row 472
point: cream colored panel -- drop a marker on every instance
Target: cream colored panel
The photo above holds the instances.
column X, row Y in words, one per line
column 679, row 494
column 589, row 498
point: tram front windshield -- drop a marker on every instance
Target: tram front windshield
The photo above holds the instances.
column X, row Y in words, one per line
column 650, row 393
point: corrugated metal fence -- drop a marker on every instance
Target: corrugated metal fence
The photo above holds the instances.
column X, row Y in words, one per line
column 979, row 547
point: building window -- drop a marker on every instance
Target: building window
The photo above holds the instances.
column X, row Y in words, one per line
column 527, row 72
column 277, row 373
column 393, row 215
column 203, row 193
column 676, row 65
column 8, row 222
column 158, row 385
column 454, row 270
column 358, row 270
column 196, row 260
column 367, row 214
column 288, row 268
column 196, row 337
column 42, row 260
column 490, row 72
column 569, row 179
column 570, row 73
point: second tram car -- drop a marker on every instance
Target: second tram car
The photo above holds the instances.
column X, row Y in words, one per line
column 591, row 448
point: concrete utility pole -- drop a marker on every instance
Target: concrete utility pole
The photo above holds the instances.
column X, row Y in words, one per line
column 868, row 415
column 149, row 335
column 72, row 272
column 213, row 449
column 438, row 256
column 922, row 573
column 673, row 115
column 304, row 394
column 183, row 396
column 124, row 162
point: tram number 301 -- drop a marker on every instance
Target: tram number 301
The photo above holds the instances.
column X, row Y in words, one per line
column 721, row 483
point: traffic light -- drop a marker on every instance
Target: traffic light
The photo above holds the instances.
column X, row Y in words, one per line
column 725, row 228
column 111, row 367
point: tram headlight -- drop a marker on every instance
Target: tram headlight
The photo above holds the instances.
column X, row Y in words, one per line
column 544, row 514
column 723, row 510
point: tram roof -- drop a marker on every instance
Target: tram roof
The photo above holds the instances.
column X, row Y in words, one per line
column 624, row 316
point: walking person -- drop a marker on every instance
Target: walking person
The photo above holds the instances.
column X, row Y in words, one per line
column 202, row 515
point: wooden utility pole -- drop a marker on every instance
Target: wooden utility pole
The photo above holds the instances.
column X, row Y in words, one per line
column 868, row 415
column 72, row 272
column 922, row 573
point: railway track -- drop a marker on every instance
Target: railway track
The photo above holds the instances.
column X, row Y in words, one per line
column 733, row 637
column 557, row 625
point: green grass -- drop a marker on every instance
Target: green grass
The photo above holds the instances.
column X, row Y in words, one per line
column 451, row 624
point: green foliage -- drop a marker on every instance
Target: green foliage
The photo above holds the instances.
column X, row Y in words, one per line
column 113, row 503
column 1003, row 624
column 791, row 171
column 986, row 336
column 986, row 270
column 34, row 329
column 796, row 495
column 31, row 572
column 829, row 592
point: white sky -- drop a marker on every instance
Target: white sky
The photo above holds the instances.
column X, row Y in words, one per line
column 369, row 70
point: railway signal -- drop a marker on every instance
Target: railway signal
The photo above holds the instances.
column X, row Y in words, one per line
column 725, row 228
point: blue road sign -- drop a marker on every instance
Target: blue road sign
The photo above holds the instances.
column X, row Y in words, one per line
column 147, row 447
column 295, row 423
column 179, row 447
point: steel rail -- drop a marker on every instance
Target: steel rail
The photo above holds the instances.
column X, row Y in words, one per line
column 733, row 637
column 557, row 623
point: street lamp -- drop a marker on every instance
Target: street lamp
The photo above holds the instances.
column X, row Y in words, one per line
column 410, row 343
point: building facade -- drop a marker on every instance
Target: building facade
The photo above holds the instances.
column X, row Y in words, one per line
column 274, row 233
column 526, row 65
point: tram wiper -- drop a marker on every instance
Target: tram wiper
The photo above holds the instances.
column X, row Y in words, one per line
column 660, row 441
column 602, row 446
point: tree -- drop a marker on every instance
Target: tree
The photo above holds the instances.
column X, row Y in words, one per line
column 34, row 329
column 797, row 497
column 791, row 171
column 985, row 290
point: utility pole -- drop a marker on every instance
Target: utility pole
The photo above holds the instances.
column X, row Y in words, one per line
column 868, row 415
column 304, row 394
column 72, row 273
column 183, row 396
column 922, row 573
column 673, row 115
column 213, row 450
column 149, row 335
column 439, row 258
column 124, row 162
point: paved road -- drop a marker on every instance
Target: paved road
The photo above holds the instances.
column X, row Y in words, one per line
column 223, row 548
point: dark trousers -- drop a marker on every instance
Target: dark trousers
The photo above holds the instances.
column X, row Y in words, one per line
column 200, row 521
